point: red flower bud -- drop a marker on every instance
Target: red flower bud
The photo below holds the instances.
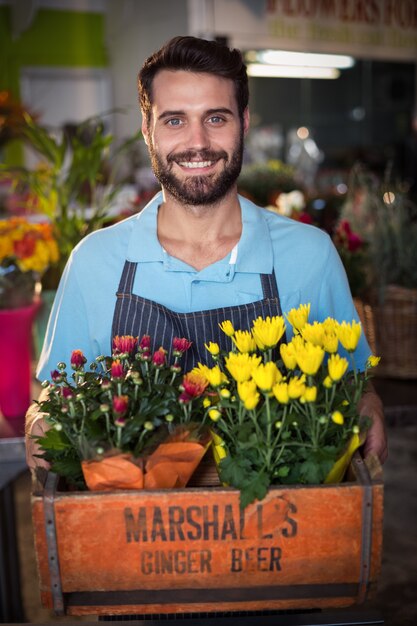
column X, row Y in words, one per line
column 120, row 404
column 124, row 343
column 77, row 359
column 117, row 370
column 181, row 345
column 145, row 343
column 56, row 376
column 159, row 357
column 66, row 393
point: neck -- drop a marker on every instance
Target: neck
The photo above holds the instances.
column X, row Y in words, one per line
column 199, row 235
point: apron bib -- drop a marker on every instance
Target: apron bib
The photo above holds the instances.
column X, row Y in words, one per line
column 137, row 316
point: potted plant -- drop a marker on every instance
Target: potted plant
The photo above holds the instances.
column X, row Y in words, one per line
column 73, row 184
column 386, row 219
column 282, row 420
column 263, row 182
column 26, row 251
column 394, row 261
column 121, row 424
column 282, row 532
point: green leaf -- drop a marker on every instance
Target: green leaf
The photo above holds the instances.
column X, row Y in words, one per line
column 70, row 469
column 54, row 440
column 254, row 489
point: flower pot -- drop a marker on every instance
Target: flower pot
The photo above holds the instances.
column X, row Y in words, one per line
column 15, row 364
column 396, row 333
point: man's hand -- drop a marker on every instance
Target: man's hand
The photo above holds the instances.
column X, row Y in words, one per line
column 376, row 440
column 35, row 427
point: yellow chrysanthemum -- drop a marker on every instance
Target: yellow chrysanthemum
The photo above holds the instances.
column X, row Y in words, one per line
column 349, row 335
column 252, row 401
column 373, row 361
column 287, row 353
column 266, row 375
column 248, row 394
column 337, row 366
column 330, row 325
column 227, row 328
column 299, row 317
column 280, row 391
column 310, row 394
column 215, row 376
column 314, row 333
column 244, row 341
column 268, row 332
column 338, row 418
column 296, row 387
column 206, row 403
column 330, row 341
column 201, row 370
column 241, row 364
column 213, row 348
column 246, row 388
column 309, row 358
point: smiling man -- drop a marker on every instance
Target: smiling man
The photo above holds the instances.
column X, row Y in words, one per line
column 199, row 253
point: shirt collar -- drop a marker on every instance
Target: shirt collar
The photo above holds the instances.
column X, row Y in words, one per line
column 143, row 244
column 254, row 254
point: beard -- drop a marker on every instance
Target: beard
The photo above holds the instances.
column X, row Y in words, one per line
column 198, row 190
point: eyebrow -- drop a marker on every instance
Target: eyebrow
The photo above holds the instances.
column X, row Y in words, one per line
column 223, row 110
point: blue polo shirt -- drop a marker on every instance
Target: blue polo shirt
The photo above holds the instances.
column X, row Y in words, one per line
column 306, row 264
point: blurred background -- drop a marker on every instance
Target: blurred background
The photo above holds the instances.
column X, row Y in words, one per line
column 333, row 142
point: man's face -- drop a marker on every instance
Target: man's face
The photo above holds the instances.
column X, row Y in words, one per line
column 195, row 135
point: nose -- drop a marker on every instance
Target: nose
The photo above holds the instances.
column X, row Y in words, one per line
column 197, row 138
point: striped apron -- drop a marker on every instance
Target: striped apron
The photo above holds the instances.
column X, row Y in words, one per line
column 137, row 316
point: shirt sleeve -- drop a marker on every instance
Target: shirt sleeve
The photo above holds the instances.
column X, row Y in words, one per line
column 68, row 325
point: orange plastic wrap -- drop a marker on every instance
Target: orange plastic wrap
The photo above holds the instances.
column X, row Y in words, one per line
column 170, row 466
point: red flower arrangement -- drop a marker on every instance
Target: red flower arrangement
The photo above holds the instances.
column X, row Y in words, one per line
column 120, row 411
column 353, row 252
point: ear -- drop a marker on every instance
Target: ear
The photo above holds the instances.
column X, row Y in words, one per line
column 246, row 121
column 145, row 129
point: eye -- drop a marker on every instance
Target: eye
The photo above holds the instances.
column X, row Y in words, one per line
column 174, row 121
column 216, row 119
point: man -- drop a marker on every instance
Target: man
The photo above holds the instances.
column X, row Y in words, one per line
column 198, row 254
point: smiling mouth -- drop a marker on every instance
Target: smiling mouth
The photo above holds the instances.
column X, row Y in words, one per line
column 195, row 164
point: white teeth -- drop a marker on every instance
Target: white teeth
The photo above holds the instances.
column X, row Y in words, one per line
column 195, row 164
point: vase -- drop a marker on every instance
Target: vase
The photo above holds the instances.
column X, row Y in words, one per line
column 16, row 363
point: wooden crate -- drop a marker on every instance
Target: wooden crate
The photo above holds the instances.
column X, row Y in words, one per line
column 193, row 550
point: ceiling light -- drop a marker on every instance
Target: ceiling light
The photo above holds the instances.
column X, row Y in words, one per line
column 304, row 59
column 263, row 70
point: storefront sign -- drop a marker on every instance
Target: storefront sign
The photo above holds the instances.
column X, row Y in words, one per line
column 380, row 29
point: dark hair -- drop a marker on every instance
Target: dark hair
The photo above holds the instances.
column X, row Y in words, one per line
column 194, row 55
